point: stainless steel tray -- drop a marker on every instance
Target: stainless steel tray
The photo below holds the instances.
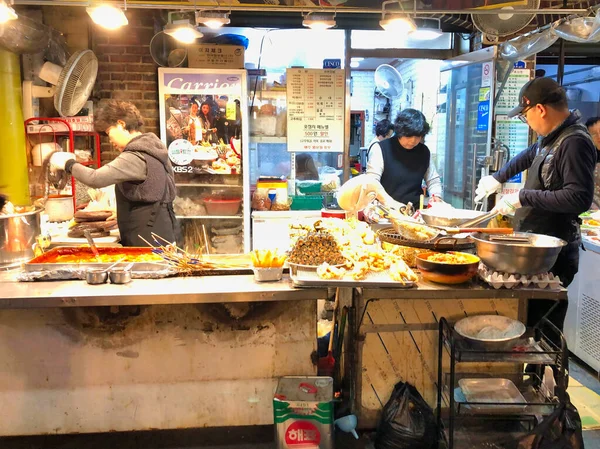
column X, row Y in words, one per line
column 302, row 277
column 137, row 266
column 38, row 263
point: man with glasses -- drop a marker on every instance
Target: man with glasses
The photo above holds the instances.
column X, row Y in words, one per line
column 560, row 180
column 593, row 126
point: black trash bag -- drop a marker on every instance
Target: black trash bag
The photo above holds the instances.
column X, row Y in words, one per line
column 560, row 430
column 407, row 421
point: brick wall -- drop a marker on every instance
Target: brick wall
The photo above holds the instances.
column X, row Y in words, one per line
column 363, row 90
column 126, row 70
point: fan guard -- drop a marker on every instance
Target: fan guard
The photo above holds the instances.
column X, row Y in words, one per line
column 505, row 23
column 388, row 81
column 75, row 83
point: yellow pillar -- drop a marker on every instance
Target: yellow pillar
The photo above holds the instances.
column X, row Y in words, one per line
column 14, row 180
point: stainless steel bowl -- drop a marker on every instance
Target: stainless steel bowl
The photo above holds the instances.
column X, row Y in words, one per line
column 537, row 255
column 17, row 236
column 449, row 217
column 96, row 277
column 490, row 331
column 119, row 276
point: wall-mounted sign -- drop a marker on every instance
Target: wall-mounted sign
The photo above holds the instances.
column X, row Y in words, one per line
column 483, row 115
column 332, row 63
column 315, row 115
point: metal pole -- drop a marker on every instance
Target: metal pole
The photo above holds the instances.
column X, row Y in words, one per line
column 560, row 73
column 348, row 71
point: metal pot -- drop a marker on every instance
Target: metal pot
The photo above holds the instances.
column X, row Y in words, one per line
column 508, row 331
column 449, row 217
column 447, row 273
column 537, row 254
column 17, row 236
column 59, row 208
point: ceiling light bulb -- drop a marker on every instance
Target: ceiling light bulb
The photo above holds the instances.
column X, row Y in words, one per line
column 212, row 20
column 398, row 23
column 354, row 64
column 319, row 21
column 107, row 16
column 7, row 12
column 185, row 33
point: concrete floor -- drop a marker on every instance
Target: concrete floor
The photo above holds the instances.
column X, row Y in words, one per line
column 257, row 437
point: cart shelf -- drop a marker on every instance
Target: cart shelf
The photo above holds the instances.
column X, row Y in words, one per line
column 540, row 346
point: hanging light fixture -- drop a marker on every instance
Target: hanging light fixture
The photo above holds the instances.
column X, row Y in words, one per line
column 108, row 16
column 212, row 19
column 181, row 29
column 319, row 21
column 397, row 22
column 429, row 28
column 6, row 11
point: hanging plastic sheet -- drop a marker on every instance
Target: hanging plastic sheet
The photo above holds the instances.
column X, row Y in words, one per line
column 584, row 30
column 24, row 35
column 527, row 45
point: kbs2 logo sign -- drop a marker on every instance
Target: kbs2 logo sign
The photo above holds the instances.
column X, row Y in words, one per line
column 302, row 434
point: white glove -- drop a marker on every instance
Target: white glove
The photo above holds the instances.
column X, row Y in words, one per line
column 59, row 159
column 508, row 204
column 487, row 185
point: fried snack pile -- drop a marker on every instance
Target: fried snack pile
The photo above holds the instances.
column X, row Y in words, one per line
column 266, row 258
column 406, row 253
column 360, row 249
column 316, row 248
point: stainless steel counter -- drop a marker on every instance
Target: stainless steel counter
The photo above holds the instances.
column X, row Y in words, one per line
column 472, row 290
column 178, row 290
column 220, row 289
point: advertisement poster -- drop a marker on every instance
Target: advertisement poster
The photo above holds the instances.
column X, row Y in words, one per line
column 201, row 119
column 315, row 117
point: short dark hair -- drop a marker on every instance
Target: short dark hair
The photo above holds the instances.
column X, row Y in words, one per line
column 592, row 121
column 112, row 111
column 383, row 127
column 411, row 123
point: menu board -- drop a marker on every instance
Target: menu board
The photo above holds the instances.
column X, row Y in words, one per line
column 513, row 133
column 509, row 98
column 315, row 114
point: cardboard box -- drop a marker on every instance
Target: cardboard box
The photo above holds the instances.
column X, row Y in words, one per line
column 213, row 56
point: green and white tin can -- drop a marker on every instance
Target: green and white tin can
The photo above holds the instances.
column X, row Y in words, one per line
column 303, row 411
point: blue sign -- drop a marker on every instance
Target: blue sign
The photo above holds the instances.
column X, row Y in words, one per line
column 483, row 115
column 332, row 63
column 519, row 65
column 517, row 178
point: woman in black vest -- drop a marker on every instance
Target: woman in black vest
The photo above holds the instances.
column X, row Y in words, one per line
column 142, row 174
column 402, row 162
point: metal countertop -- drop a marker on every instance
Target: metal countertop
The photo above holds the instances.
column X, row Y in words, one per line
column 175, row 290
column 223, row 289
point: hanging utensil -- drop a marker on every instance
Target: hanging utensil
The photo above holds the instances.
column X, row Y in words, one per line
column 326, row 365
column 93, row 246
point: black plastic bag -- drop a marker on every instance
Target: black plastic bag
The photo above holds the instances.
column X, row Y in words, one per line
column 560, row 430
column 407, row 421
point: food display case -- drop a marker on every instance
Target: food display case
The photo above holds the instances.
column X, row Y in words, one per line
column 204, row 126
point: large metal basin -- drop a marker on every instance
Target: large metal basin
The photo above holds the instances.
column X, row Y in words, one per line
column 449, row 217
column 536, row 256
column 17, row 236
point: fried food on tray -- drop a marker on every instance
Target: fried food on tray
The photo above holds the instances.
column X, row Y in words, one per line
column 315, row 249
column 326, row 271
column 413, row 231
column 401, row 272
column 406, row 253
column 265, row 258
